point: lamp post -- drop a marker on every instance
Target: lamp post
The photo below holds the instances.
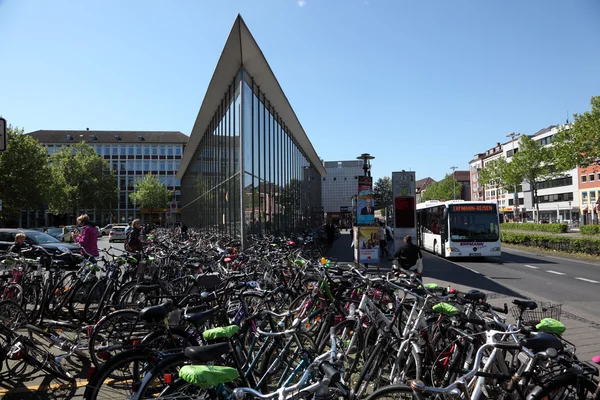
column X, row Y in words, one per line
column 512, row 137
column 366, row 157
column 453, row 182
column 570, row 212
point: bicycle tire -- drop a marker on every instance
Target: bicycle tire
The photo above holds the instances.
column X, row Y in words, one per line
column 12, row 315
column 99, row 292
column 149, row 387
column 106, row 378
column 77, row 299
column 60, row 292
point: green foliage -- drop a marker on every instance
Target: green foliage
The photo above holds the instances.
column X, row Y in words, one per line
column 382, row 192
column 150, row 193
column 500, row 172
column 24, row 173
column 80, row 179
column 590, row 246
column 589, row 229
column 552, row 228
column 579, row 144
column 443, row 190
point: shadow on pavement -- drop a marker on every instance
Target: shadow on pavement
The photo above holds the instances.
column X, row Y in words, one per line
column 38, row 387
column 440, row 269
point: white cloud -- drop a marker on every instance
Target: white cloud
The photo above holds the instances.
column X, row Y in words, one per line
column 301, row 3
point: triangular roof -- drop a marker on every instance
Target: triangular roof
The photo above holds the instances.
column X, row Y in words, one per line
column 242, row 50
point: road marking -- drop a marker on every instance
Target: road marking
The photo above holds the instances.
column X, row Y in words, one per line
column 586, row 280
column 555, row 272
column 531, row 266
column 470, row 269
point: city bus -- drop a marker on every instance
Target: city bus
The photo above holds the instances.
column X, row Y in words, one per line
column 459, row 228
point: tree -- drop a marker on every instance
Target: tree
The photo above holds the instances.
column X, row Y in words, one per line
column 442, row 190
column 80, row 179
column 24, row 173
column 501, row 173
column 579, row 143
column 150, row 193
column 382, row 193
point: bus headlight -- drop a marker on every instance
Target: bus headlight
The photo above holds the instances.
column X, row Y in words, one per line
column 451, row 249
column 495, row 249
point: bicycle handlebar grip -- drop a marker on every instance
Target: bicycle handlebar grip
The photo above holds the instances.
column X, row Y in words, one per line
column 330, row 372
column 501, row 310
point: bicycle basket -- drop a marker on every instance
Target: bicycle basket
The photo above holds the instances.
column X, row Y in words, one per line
column 544, row 310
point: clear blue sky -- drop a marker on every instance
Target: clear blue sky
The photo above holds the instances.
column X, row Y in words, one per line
column 421, row 85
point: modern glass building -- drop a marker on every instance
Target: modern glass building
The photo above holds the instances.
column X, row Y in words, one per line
column 249, row 167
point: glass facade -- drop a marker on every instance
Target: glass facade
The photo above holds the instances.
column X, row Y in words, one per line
column 249, row 174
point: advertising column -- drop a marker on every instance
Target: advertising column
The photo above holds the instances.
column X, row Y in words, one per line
column 366, row 243
column 405, row 210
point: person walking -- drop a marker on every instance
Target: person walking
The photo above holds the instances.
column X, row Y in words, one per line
column 408, row 255
column 88, row 238
column 389, row 237
column 382, row 240
column 133, row 239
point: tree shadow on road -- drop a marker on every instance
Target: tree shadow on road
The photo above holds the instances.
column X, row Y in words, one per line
column 438, row 268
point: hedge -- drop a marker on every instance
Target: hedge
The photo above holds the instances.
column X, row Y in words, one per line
column 567, row 244
column 552, row 228
column 589, row 229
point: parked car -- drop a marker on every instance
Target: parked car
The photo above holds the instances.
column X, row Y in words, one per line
column 67, row 236
column 117, row 233
column 105, row 231
column 56, row 233
column 49, row 243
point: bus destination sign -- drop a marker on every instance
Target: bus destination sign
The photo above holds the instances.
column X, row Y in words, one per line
column 472, row 207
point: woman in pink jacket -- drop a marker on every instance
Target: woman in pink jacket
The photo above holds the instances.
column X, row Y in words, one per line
column 88, row 238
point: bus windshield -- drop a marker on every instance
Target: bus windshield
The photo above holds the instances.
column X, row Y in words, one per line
column 474, row 227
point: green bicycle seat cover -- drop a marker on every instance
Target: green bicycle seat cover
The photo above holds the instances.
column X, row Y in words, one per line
column 300, row 262
column 550, row 325
column 221, row 332
column 431, row 286
column 207, row 376
column 445, row 308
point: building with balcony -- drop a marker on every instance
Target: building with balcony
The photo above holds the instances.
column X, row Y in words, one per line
column 249, row 167
column 338, row 186
column 131, row 155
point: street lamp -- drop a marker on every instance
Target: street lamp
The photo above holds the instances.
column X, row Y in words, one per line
column 366, row 157
column 512, row 137
column 453, row 182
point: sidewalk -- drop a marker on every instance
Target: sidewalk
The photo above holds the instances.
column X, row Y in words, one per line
column 343, row 253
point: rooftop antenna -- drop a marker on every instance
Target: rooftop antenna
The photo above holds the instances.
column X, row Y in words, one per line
column 567, row 117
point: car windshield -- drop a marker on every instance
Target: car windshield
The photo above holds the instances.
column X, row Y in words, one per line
column 55, row 231
column 41, row 238
column 474, row 227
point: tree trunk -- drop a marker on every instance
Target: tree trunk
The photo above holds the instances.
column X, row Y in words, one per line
column 537, row 206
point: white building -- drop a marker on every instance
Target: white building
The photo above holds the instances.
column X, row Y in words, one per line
column 131, row 155
column 558, row 199
column 338, row 186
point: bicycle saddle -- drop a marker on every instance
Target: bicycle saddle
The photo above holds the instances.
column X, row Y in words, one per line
column 542, row 341
column 207, row 352
column 475, row 295
column 200, row 318
column 156, row 313
column 525, row 304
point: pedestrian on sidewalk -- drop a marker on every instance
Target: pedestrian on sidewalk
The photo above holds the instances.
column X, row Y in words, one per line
column 382, row 240
column 389, row 236
column 330, row 232
column 88, row 239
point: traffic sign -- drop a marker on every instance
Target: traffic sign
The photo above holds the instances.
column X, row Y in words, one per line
column 2, row 134
column 168, row 215
column 173, row 205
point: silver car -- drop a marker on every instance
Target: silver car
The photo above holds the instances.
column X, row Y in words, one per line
column 117, row 233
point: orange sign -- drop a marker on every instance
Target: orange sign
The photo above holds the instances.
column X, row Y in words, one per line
column 472, row 208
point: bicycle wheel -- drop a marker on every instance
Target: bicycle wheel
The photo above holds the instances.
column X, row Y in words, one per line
column 13, row 292
column 182, row 390
column 95, row 301
column 31, row 301
column 155, row 382
column 60, row 292
column 114, row 334
column 121, row 376
column 12, row 316
column 77, row 300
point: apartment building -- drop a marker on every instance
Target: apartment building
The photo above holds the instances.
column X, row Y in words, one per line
column 339, row 185
column 131, row 155
column 558, row 199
